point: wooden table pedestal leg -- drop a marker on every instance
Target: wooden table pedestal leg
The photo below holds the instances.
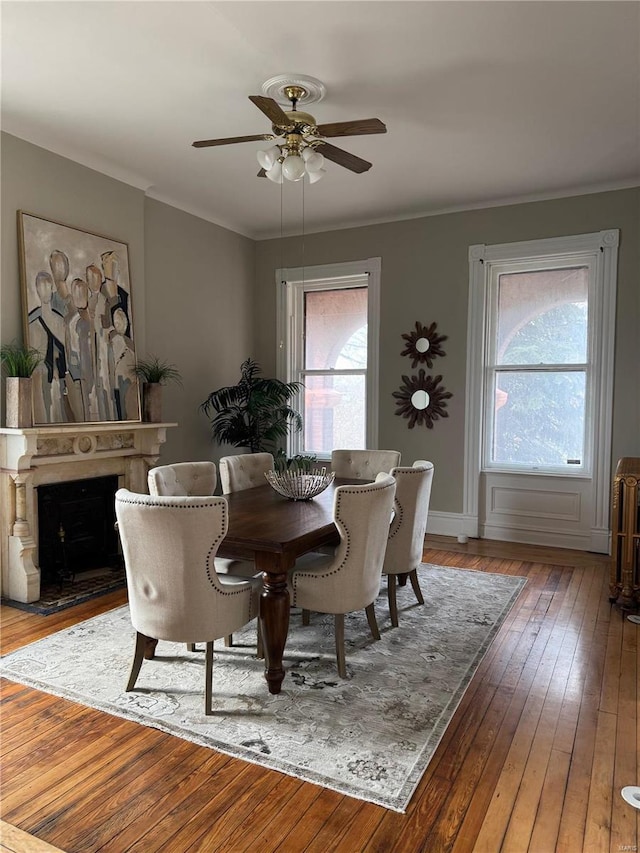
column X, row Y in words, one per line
column 274, row 616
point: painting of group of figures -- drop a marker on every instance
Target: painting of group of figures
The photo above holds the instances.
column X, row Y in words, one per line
column 77, row 303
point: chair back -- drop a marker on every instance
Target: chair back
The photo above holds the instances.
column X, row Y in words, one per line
column 244, row 471
column 363, row 464
column 184, row 479
column 351, row 580
column 406, row 535
column 169, row 545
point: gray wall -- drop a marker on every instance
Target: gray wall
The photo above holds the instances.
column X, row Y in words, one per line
column 425, row 277
column 200, row 280
column 192, row 281
column 39, row 182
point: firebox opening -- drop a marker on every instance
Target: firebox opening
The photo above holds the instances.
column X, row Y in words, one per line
column 76, row 528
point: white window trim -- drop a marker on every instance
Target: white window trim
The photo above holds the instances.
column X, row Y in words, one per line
column 603, row 245
column 289, row 336
column 493, row 272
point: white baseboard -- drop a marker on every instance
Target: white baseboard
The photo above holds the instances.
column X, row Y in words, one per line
column 449, row 524
column 526, row 536
column 458, row 523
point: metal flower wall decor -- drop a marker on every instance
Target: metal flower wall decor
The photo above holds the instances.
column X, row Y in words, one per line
column 422, row 399
column 423, row 345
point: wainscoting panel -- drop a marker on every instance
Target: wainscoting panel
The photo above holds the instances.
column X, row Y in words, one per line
column 536, row 503
column 540, row 510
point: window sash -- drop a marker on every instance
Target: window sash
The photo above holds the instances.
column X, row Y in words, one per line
column 292, row 285
column 495, row 438
column 330, row 371
column 492, row 366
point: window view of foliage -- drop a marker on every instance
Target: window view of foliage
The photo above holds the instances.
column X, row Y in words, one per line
column 353, row 355
column 541, row 417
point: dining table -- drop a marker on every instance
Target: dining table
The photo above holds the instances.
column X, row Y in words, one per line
column 274, row 531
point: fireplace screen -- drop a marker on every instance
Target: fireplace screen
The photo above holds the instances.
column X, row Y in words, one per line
column 76, row 527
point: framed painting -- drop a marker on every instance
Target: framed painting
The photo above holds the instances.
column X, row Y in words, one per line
column 76, row 292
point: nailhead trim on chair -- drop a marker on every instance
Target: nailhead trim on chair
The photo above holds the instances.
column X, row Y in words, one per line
column 213, row 544
column 397, row 521
column 346, row 491
column 396, row 524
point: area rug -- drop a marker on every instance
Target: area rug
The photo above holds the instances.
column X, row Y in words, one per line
column 370, row 736
column 84, row 587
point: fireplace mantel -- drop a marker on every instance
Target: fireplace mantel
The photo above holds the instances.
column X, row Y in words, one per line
column 54, row 454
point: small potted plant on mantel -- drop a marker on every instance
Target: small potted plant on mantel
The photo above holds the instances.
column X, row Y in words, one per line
column 154, row 374
column 18, row 363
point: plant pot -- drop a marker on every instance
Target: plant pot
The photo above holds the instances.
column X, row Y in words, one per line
column 152, row 402
column 18, row 398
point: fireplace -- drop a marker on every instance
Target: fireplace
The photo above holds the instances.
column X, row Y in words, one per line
column 67, row 456
column 76, row 528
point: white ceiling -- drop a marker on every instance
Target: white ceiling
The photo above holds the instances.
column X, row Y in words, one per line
column 484, row 102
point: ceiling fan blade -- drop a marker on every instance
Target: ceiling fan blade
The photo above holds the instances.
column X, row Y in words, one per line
column 262, row 174
column 271, row 109
column 343, row 158
column 206, row 143
column 358, row 127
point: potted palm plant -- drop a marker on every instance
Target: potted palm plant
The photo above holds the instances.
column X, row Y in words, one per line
column 18, row 363
column 254, row 414
column 154, row 374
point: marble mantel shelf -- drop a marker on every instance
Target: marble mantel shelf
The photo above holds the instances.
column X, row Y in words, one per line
column 70, row 442
column 57, row 453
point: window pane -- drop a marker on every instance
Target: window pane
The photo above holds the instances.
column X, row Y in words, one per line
column 336, row 329
column 334, row 413
column 539, row 418
column 542, row 317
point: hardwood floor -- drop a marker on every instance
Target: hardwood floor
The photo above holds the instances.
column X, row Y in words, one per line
column 544, row 739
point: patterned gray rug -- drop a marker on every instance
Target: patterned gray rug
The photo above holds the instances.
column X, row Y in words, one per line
column 370, row 737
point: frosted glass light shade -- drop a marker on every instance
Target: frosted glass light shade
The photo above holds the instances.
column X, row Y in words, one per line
column 275, row 173
column 314, row 161
column 314, row 177
column 293, row 167
column 268, row 158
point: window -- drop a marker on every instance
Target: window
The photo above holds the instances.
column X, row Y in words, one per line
column 540, row 366
column 539, row 369
column 328, row 340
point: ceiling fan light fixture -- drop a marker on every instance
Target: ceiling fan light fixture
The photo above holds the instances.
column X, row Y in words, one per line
column 314, row 161
column 296, row 133
column 293, row 167
column 275, row 172
column 268, row 158
column 314, row 177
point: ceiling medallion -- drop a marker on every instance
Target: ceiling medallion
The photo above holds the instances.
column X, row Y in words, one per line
column 423, row 345
column 421, row 399
column 276, row 87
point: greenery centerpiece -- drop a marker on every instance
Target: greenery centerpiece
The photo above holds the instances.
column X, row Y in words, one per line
column 18, row 363
column 254, row 414
column 155, row 373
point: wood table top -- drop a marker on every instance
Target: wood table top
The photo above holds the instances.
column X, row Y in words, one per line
column 262, row 520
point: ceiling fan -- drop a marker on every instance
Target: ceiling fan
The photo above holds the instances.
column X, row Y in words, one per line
column 301, row 139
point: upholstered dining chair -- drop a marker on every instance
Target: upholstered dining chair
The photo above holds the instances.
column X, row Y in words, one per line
column 244, row 471
column 186, row 479
column 406, row 534
column 183, row 479
column 169, row 546
column 350, row 579
column 363, row 464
